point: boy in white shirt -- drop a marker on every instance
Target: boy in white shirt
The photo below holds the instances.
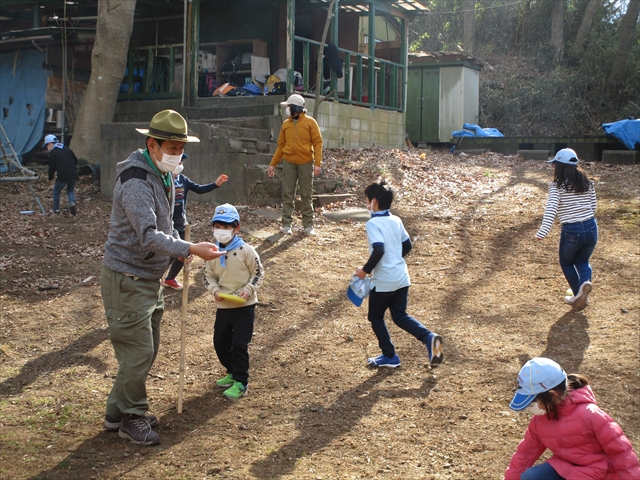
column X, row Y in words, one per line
column 388, row 244
column 238, row 273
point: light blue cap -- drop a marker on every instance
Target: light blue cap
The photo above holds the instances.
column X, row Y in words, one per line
column 226, row 213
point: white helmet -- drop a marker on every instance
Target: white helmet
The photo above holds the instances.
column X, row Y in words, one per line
column 294, row 99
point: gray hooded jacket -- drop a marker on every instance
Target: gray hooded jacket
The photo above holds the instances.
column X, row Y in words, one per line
column 141, row 235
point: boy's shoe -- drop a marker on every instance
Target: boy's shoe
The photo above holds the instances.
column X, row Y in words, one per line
column 173, row 283
column 138, row 430
column 569, row 300
column 434, row 348
column 113, row 422
column 382, row 361
column 236, row 391
column 582, row 298
column 72, row 209
column 310, row 231
column 56, row 212
column 226, row 381
column 286, row 230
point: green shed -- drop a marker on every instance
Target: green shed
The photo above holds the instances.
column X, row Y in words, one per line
column 443, row 92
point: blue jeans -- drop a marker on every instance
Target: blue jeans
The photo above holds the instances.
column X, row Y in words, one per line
column 57, row 189
column 544, row 471
column 396, row 302
column 577, row 242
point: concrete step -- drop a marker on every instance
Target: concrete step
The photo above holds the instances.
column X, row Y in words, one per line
column 327, row 199
column 230, row 111
column 621, row 157
column 535, row 154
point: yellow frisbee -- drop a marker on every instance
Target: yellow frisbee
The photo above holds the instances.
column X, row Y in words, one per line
column 231, row 298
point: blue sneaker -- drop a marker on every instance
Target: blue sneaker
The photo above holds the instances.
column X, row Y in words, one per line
column 434, row 348
column 382, row 361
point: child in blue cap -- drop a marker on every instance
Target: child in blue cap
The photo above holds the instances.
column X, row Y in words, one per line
column 238, row 273
column 388, row 244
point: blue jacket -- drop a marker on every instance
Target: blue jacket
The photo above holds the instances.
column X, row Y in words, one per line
column 182, row 186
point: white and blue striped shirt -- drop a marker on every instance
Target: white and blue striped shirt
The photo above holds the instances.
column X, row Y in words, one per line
column 570, row 207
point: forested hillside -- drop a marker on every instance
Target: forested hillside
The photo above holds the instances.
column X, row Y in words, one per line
column 552, row 67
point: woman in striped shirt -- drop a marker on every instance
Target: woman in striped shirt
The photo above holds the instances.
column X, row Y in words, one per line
column 572, row 199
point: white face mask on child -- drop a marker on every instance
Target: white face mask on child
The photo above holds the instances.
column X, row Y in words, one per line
column 223, row 235
column 535, row 409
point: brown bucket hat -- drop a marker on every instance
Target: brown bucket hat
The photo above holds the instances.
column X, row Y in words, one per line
column 168, row 125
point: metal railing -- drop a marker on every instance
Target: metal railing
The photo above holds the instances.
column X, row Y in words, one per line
column 150, row 73
column 388, row 84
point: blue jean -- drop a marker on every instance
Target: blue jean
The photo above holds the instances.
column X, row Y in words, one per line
column 57, row 189
column 396, row 302
column 544, row 471
column 577, row 242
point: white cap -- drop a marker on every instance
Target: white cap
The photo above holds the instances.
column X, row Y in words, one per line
column 566, row 156
column 294, row 99
column 49, row 139
column 538, row 375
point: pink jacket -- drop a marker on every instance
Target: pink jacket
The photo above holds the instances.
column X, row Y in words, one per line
column 585, row 441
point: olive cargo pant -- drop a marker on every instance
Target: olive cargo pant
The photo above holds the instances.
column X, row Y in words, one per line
column 303, row 176
column 134, row 309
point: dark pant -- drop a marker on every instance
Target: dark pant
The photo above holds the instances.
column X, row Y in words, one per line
column 231, row 338
column 176, row 265
column 577, row 242
column 544, row 471
column 58, row 186
column 134, row 310
column 396, row 302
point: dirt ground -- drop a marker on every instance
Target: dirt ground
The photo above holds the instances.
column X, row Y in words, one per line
column 314, row 409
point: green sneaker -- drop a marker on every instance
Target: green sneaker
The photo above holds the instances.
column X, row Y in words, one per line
column 225, row 381
column 236, row 391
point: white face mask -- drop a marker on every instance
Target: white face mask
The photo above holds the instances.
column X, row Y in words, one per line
column 535, row 409
column 287, row 111
column 169, row 162
column 178, row 169
column 223, row 235
column 370, row 207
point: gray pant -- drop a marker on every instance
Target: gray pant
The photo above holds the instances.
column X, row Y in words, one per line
column 303, row 176
column 134, row 309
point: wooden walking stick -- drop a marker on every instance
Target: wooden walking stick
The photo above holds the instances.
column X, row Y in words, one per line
column 183, row 326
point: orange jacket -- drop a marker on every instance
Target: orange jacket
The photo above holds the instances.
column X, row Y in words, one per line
column 299, row 142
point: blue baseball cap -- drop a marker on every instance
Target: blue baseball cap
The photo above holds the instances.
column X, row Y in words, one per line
column 538, row 375
column 358, row 290
column 567, row 156
column 226, row 213
column 49, row 139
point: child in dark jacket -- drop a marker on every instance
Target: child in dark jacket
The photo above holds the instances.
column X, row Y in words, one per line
column 182, row 185
column 586, row 443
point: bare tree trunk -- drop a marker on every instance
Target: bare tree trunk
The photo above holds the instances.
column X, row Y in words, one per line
column 108, row 62
column 585, row 26
column 625, row 39
column 557, row 28
column 469, row 26
column 320, row 83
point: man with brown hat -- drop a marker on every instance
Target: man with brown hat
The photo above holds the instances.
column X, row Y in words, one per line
column 141, row 243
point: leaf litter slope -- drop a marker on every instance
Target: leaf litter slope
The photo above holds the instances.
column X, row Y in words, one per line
column 314, row 409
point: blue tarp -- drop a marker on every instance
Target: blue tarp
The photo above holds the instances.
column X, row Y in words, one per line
column 627, row 131
column 23, row 92
column 473, row 130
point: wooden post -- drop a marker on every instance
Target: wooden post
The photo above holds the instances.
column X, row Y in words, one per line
column 183, row 326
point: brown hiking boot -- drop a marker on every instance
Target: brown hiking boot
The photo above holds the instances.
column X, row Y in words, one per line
column 138, row 430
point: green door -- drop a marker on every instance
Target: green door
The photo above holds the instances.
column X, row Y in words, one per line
column 430, row 104
column 423, row 93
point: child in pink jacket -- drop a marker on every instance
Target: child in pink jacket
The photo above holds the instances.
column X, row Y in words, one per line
column 586, row 443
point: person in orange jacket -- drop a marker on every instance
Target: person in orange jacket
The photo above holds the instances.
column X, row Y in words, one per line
column 300, row 146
